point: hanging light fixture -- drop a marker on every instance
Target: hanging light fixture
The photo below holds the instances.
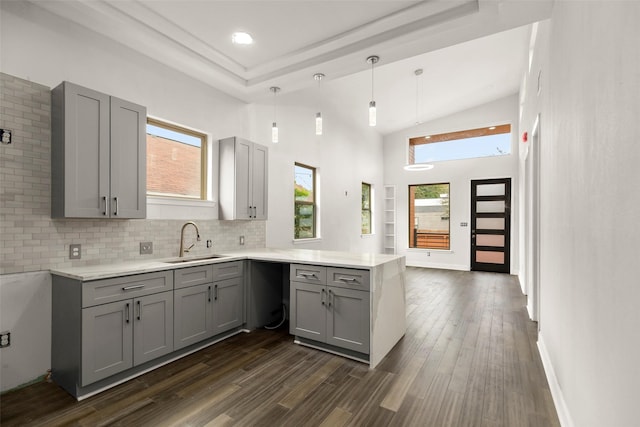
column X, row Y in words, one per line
column 418, row 73
column 318, row 77
column 372, row 104
column 274, row 127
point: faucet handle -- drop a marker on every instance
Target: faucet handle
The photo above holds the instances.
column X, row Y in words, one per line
column 187, row 249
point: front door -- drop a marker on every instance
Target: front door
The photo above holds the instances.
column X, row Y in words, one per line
column 491, row 225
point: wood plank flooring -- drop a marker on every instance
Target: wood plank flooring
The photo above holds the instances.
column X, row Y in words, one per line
column 469, row 358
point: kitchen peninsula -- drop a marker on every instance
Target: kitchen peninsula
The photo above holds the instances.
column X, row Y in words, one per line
column 361, row 297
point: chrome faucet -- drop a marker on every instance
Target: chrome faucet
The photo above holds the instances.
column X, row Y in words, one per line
column 182, row 249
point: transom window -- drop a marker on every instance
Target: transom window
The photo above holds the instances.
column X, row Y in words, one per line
column 305, row 202
column 367, row 228
column 429, row 212
column 466, row 144
column 176, row 161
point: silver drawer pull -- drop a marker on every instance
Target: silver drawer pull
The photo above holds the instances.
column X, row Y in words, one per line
column 306, row 275
column 347, row 279
column 128, row 288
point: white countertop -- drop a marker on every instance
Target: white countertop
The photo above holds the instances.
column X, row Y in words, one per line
column 300, row 256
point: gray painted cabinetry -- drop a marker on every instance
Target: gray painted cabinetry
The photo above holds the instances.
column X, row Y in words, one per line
column 98, row 155
column 208, row 300
column 109, row 329
column 331, row 306
column 243, row 179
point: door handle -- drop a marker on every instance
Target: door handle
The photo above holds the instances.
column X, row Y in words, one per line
column 126, row 313
column 104, row 201
column 322, row 296
column 115, row 199
column 330, row 297
column 215, row 292
column 139, row 310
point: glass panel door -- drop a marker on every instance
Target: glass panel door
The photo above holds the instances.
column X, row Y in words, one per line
column 490, row 225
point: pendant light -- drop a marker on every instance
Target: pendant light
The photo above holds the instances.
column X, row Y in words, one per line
column 372, row 104
column 318, row 77
column 418, row 73
column 274, row 127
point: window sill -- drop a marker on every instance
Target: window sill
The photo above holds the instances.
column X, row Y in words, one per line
column 169, row 208
column 422, row 250
column 302, row 241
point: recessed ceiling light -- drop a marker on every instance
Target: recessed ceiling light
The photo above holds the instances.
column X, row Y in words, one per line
column 427, row 137
column 492, row 128
column 241, row 38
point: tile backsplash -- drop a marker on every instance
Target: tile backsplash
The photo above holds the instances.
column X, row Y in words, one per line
column 31, row 241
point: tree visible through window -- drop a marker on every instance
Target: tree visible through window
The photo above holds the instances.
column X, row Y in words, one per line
column 429, row 212
column 305, row 202
column 366, row 209
column 176, row 161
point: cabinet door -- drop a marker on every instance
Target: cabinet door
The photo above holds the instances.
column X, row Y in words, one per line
column 308, row 311
column 348, row 319
column 152, row 327
column 80, row 152
column 193, row 315
column 107, row 340
column 128, row 160
column 228, row 304
column 243, row 177
column 259, row 179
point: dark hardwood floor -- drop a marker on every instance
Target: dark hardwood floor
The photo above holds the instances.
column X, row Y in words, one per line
column 469, row 358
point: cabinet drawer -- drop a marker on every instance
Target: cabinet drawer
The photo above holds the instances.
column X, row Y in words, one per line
column 308, row 274
column 227, row 270
column 192, row 276
column 119, row 288
column 348, row 278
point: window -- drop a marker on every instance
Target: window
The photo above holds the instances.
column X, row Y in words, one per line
column 305, row 202
column 176, row 161
column 366, row 209
column 429, row 216
column 466, row 144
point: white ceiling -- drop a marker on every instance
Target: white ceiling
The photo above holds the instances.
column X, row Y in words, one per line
column 296, row 38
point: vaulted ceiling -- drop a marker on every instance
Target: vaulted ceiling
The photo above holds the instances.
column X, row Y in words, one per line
column 462, row 46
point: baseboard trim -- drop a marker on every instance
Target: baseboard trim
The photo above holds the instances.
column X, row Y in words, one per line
column 556, row 392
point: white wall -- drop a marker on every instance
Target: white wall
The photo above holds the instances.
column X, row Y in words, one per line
column 589, row 109
column 345, row 156
column 459, row 174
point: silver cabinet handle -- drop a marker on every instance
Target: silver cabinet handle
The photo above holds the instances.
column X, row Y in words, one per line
column 115, row 199
column 126, row 313
column 322, row 296
column 128, row 288
column 139, row 310
column 215, row 292
column 330, row 297
column 347, row 279
column 255, row 212
column 209, row 294
column 307, row 275
column 104, row 201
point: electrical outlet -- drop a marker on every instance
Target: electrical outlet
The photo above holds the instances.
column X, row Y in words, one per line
column 146, row 248
column 75, row 251
column 209, row 243
column 5, row 339
column 5, row 134
column 241, row 240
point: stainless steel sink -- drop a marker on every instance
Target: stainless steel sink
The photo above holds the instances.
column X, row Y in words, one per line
column 202, row 258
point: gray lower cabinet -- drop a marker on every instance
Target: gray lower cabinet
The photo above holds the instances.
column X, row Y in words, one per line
column 103, row 327
column 206, row 306
column 123, row 334
column 336, row 314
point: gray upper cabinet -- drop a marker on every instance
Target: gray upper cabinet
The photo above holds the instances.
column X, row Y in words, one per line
column 98, row 155
column 243, row 179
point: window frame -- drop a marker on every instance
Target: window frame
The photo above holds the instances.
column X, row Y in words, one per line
column 411, row 224
column 313, row 203
column 414, row 142
column 363, row 210
column 204, row 143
